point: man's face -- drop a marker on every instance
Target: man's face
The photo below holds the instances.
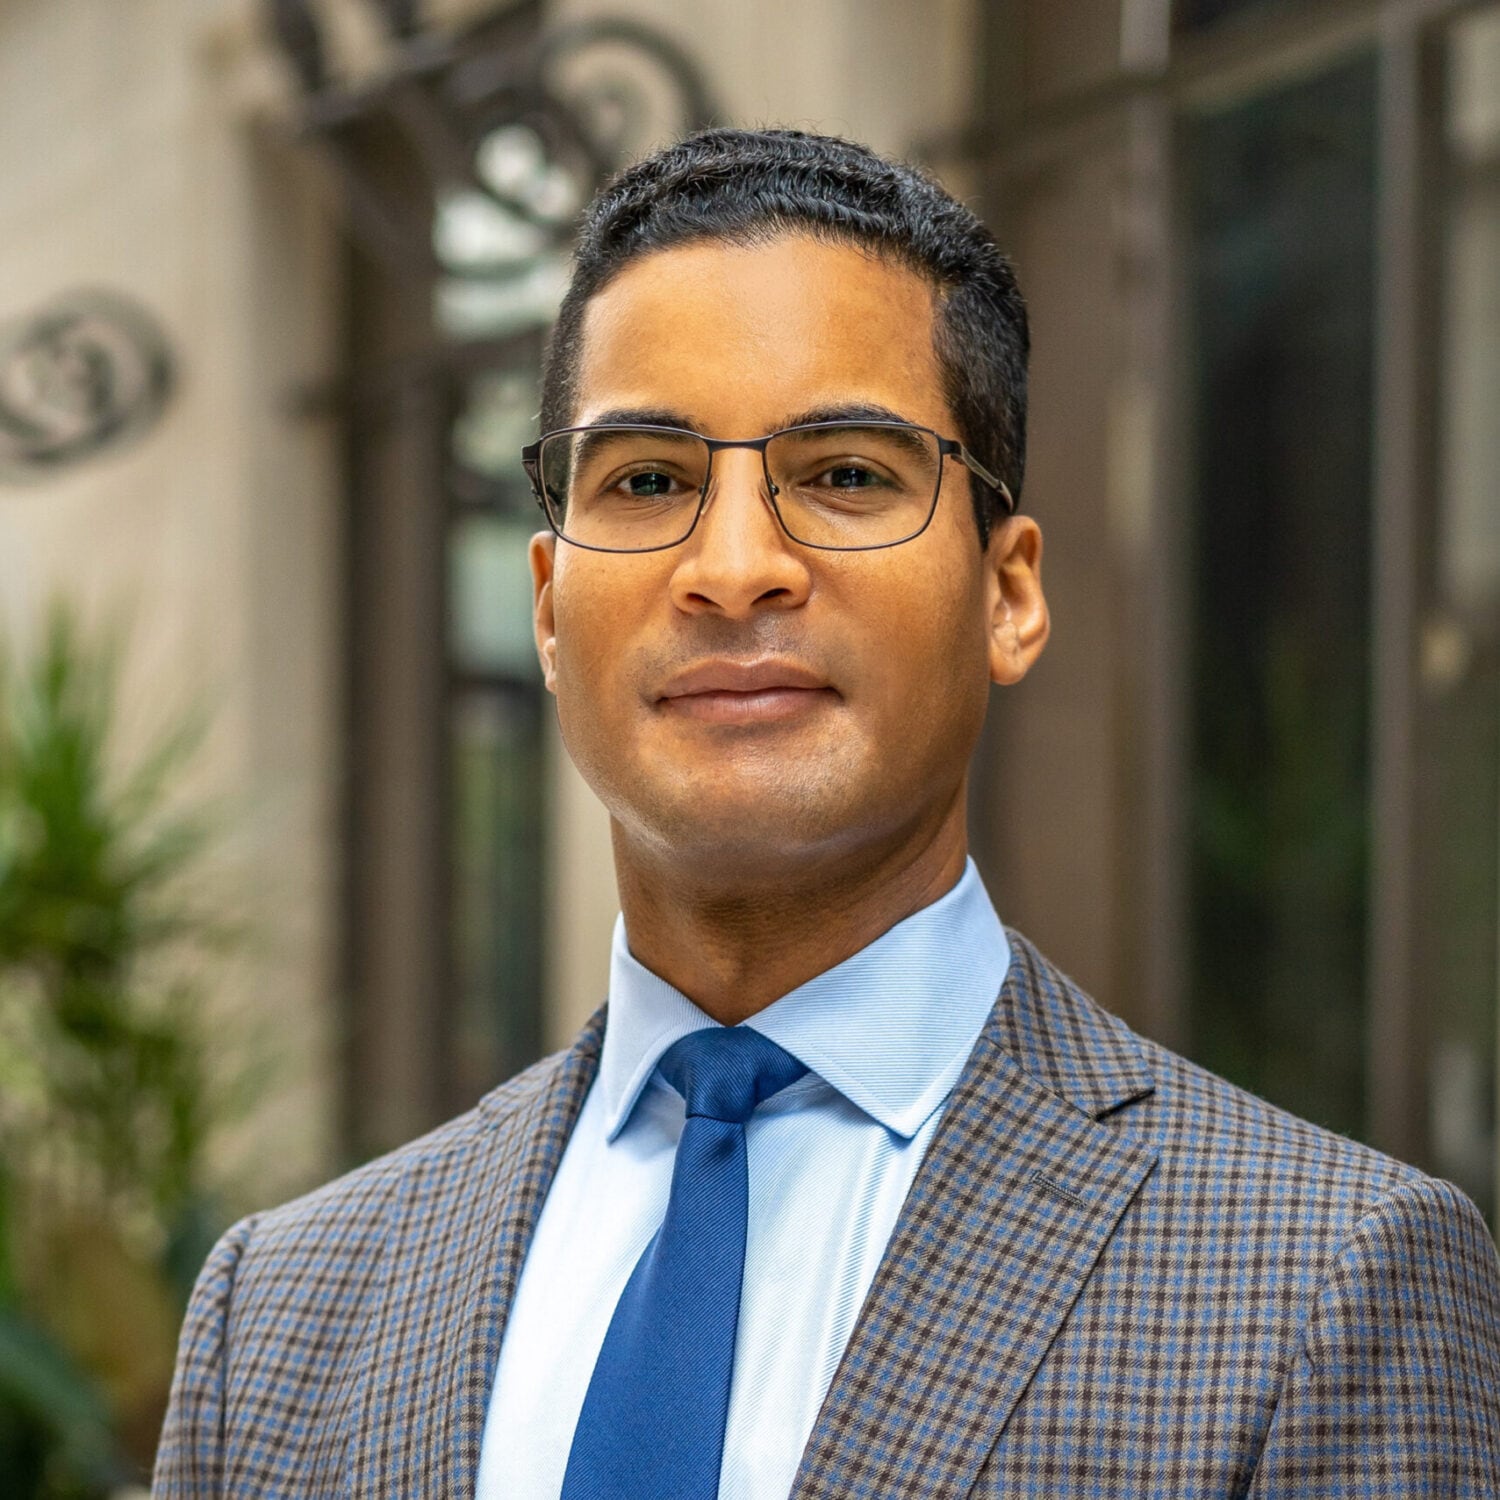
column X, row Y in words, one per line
column 742, row 701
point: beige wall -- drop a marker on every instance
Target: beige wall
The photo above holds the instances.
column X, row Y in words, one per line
column 135, row 166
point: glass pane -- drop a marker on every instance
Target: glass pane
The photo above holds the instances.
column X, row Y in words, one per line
column 1280, row 208
column 1193, row 15
column 501, row 249
column 1459, row 786
column 489, row 583
column 498, row 797
column 502, row 303
column 497, row 420
column 497, row 786
column 514, row 162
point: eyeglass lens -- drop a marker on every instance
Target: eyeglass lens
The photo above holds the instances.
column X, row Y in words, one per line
column 633, row 489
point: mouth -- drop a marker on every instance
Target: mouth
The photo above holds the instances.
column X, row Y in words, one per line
column 745, row 692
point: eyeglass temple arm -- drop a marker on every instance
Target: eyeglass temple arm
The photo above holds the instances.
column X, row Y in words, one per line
column 531, row 463
column 972, row 464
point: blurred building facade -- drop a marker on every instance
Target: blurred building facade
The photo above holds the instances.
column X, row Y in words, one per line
column 1251, row 799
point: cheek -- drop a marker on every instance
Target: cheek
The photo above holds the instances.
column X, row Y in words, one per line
column 933, row 634
column 603, row 611
column 589, row 608
column 583, row 673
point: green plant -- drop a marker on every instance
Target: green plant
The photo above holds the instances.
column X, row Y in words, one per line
column 105, row 952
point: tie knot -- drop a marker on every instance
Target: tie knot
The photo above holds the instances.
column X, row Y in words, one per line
column 724, row 1072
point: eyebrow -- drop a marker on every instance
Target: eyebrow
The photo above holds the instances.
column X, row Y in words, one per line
column 643, row 416
column 846, row 411
column 662, row 416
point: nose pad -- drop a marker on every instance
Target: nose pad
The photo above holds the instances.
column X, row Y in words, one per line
column 766, row 490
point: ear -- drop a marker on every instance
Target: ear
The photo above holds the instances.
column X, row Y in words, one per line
column 1018, row 618
column 542, row 554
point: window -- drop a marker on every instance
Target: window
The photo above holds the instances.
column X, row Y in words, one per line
column 1459, row 785
column 1280, row 194
column 495, row 730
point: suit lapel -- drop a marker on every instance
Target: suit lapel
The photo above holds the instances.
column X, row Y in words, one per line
column 465, row 1223
column 1020, row 1191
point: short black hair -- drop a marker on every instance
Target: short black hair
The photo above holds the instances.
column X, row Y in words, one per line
column 746, row 187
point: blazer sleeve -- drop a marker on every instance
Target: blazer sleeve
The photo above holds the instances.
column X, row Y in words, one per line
column 190, row 1455
column 1395, row 1389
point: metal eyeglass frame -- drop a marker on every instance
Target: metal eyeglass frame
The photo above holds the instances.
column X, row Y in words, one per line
column 531, row 461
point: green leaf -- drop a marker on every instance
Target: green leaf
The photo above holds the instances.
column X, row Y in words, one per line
column 38, row 1382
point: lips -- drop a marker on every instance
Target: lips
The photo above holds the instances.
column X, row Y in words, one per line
column 745, row 692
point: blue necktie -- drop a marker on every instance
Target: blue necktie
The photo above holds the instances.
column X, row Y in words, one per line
column 652, row 1425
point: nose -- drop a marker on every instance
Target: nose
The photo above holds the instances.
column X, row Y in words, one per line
column 738, row 559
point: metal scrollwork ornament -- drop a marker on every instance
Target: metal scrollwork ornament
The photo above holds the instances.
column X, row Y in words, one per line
column 526, row 118
column 89, row 372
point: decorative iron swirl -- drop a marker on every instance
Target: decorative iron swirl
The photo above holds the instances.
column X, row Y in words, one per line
column 597, row 92
column 591, row 94
column 90, row 371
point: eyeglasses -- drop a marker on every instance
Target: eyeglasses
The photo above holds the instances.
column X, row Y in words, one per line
column 840, row 486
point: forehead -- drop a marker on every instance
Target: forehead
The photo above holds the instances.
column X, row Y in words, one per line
column 741, row 339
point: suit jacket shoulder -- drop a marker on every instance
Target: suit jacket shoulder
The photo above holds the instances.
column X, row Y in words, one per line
column 1278, row 1310
column 353, row 1212
column 318, row 1330
column 1222, row 1146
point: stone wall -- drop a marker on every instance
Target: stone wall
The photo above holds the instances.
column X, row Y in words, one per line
column 131, row 160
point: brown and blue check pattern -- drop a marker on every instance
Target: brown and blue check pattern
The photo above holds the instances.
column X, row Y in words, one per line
column 1115, row 1276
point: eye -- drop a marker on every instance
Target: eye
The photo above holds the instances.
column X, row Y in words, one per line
column 649, row 484
column 849, row 476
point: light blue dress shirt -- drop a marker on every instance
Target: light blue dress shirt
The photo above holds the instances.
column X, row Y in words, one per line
column 885, row 1035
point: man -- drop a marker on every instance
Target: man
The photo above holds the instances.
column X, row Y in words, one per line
column 807, row 1209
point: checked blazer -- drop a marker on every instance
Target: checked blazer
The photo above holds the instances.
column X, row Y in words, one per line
column 1115, row 1275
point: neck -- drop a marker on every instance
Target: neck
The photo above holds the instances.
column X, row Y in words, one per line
column 734, row 948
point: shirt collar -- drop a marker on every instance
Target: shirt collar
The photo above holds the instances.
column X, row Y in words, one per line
column 889, row 1028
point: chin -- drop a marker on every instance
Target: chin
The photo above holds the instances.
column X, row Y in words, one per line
column 730, row 834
